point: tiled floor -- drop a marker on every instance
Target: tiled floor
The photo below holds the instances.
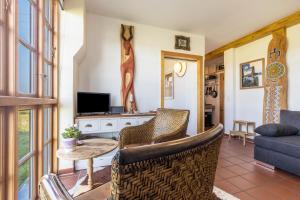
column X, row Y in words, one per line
column 238, row 174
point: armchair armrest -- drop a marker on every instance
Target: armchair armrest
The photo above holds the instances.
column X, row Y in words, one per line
column 141, row 134
column 50, row 187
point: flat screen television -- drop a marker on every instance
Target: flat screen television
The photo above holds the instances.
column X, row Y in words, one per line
column 93, row 103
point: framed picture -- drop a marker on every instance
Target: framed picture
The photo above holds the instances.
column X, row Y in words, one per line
column 169, row 86
column 182, row 42
column 252, row 74
column 219, row 67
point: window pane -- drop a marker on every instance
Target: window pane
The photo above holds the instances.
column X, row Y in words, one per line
column 48, row 44
column 47, row 158
column 26, row 21
column 47, row 80
column 26, row 70
column 2, row 12
column 47, row 137
column 1, row 155
column 2, row 75
column 25, row 126
column 47, row 124
column 46, row 41
column 2, row 48
column 25, row 180
column 48, row 10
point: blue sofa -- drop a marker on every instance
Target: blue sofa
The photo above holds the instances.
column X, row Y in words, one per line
column 281, row 152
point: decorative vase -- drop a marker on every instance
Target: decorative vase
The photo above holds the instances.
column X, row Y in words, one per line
column 69, row 144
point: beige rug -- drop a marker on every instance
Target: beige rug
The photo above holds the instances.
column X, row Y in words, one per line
column 223, row 195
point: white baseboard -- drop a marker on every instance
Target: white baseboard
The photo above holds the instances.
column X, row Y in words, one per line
column 265, row 165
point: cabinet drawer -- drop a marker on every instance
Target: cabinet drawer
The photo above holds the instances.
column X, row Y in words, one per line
column 89, row 126
column 109, row 125
column 125, row 122
column 143, row 120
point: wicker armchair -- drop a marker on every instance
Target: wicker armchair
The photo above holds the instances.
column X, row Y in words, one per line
column 180, row 169
column 169, row 124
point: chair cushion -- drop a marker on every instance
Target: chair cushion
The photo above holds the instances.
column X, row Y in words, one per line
column 289, row 145
column 276, row 130
column 290, row 118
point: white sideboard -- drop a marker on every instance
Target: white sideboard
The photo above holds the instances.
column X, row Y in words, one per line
column 107, row 126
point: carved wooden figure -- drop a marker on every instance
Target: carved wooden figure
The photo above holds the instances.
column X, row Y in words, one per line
column 127, row 68
column 276, row 81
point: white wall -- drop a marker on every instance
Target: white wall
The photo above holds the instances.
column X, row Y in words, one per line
column 248, row 104
column 90, row 59
column 293, row 63
column 229, row 88
column 72, row 49
column 185, row 92
column 100, row 70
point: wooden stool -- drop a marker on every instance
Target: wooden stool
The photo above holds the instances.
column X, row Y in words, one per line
column 240, row 131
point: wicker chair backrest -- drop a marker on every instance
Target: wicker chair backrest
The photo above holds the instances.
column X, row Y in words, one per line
column 178, row 169
column 170, row 120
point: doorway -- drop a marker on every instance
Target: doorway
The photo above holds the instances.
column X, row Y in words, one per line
column 214, row 92
column 182, row 79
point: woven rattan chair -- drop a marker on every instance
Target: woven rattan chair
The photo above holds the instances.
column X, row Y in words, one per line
column 180, row 169
column 51, row 188
column 168, row 124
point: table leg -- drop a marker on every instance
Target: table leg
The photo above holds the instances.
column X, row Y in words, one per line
column 247, row 127
column 90, row 173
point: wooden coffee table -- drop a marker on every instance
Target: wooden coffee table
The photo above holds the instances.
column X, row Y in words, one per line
column 91, row 148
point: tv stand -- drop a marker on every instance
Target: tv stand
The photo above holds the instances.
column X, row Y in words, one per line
column 110, row 123
column 107, row 126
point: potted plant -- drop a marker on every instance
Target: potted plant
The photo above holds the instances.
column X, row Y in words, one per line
column 70, row 136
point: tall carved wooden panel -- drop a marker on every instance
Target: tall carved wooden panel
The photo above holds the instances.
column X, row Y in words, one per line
column 276, row 82
column 127, row 68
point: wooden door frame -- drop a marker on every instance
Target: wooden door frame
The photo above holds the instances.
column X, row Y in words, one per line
column 200, row 82
column 222, row 97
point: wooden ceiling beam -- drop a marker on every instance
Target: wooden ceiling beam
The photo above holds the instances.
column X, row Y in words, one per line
column 267, row 30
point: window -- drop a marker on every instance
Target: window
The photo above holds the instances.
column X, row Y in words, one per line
column 48, row 47
column 25, row 153
column 2, row 88
column 27, row 47
column 2, row 45
column 2, row 154
column 47, row 141
column 28, row 98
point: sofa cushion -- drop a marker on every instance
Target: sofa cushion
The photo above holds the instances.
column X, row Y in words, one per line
column 276, row 130
column 289, row 145
column 290, row 118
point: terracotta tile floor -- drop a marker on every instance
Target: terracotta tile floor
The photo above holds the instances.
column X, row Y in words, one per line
column 238, row 174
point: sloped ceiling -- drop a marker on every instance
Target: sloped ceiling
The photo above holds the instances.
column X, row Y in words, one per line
column 221, row 21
